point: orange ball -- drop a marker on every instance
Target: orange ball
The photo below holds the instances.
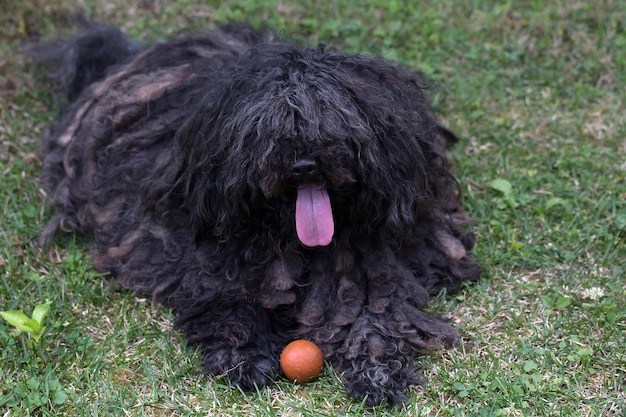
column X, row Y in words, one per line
column 301, row 361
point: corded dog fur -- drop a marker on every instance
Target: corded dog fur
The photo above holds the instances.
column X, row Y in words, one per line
column 265, row 192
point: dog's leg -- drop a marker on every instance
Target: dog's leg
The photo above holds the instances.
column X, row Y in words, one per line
column 376, row 367
column 375, row 327
column 236, row 337
column 377, row 357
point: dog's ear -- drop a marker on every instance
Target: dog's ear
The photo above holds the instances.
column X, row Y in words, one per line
column 423, row 187
column 206, row 204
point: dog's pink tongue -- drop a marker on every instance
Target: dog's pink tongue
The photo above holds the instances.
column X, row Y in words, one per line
column 314, row 216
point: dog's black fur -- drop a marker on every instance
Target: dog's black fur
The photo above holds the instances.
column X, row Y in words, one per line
column 183, row 161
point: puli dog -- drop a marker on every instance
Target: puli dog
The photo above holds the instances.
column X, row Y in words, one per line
column 265, row 191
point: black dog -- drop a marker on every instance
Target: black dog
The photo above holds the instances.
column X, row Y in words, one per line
column 266, row 192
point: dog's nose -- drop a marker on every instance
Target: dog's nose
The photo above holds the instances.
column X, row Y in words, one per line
column 305, row 170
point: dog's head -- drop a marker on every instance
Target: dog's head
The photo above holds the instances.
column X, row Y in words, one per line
column 323, row 138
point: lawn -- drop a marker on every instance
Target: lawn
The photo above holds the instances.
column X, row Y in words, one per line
column 536, row 89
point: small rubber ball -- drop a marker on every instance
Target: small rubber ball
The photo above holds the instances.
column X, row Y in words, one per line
column 301, row 361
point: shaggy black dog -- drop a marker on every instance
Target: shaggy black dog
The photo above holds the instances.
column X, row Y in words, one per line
column 265, row 192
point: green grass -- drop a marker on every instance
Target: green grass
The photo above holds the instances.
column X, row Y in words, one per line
column 535, row 88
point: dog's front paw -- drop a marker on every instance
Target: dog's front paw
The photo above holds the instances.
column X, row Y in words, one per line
column 245, row 368
column 378, row 383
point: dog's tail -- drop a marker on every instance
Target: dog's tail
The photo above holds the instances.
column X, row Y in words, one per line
column 77, row 62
